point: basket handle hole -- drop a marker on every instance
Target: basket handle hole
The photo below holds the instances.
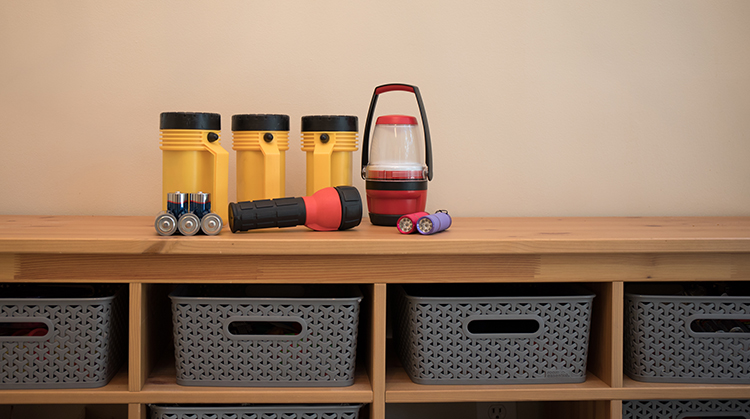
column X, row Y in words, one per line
column 503, row 326
column 720, row 325
column 265, row 328
column 23, row 328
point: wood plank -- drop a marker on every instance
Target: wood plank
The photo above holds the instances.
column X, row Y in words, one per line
column 115, row 392
column 601, row 409
column 467, row 236
column 150, row 327
column 382, row 269
column 137, row 411
column 636, row 390
column 605, row 350
column 615, row 410
column 137, row 344
column 644, row 267
column 377, row 349
column 400, row 389
column 156, row 328
column 599, row 359
column 7, row 266
column 617, row 336
column 161, row 387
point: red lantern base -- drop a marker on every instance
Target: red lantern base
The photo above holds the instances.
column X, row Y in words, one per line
column 387, row 206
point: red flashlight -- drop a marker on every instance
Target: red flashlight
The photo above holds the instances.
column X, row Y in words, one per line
column 331, row 208
column 398, row 166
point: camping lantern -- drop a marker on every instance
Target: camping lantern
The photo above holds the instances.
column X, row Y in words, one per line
column 398, row 164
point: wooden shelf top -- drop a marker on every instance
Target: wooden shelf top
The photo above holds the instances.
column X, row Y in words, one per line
column 637, row 390
column 467, row 236
column 400, row 389
column 162, row 387
column 116, row 391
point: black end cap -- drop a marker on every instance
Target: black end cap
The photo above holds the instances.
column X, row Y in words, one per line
column 330, row 123
column 351, row 207
column 389, row 220
column 232, row 205
column 260, row 122
column 190, row 120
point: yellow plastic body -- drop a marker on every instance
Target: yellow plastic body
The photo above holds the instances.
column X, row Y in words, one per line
column 261, row 165
column 329, row 163
column 190, row 163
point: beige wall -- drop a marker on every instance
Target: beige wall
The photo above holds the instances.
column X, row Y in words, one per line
column 536, row 108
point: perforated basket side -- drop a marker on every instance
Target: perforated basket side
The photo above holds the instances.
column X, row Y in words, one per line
column 255, row 412
column 679, row 409
column 84, row 346
column 660, row 347
column 323, row 354
column 436, row 347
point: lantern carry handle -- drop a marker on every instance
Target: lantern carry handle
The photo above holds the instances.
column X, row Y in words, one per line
column 366, row 140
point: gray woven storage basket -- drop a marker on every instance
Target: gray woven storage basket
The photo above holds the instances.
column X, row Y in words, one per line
column 290, row 411
column 493, row 333
column 85, row 341
column 661, row 344
column 220, row 341
column 683, row 409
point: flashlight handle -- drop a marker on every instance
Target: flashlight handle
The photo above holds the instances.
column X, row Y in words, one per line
column 366, row 139
column 220, row 179
column 266, row 213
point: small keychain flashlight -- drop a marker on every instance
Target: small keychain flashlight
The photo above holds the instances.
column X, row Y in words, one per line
column 434, row 223
column 407, row 224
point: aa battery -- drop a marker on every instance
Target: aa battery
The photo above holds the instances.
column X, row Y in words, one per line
column 165, row 224
column 434, row 223
column 200, row 204
column 211, row 224
column 177, row 203
column 189, row 224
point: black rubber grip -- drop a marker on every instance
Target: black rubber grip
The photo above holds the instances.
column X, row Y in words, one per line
column 266, row 213
column 351, row 207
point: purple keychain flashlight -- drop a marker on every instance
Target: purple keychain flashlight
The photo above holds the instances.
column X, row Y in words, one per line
column 434, row 223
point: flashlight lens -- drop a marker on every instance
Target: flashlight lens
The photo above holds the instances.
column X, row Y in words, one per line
column 405, row 225
column 425, row 225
